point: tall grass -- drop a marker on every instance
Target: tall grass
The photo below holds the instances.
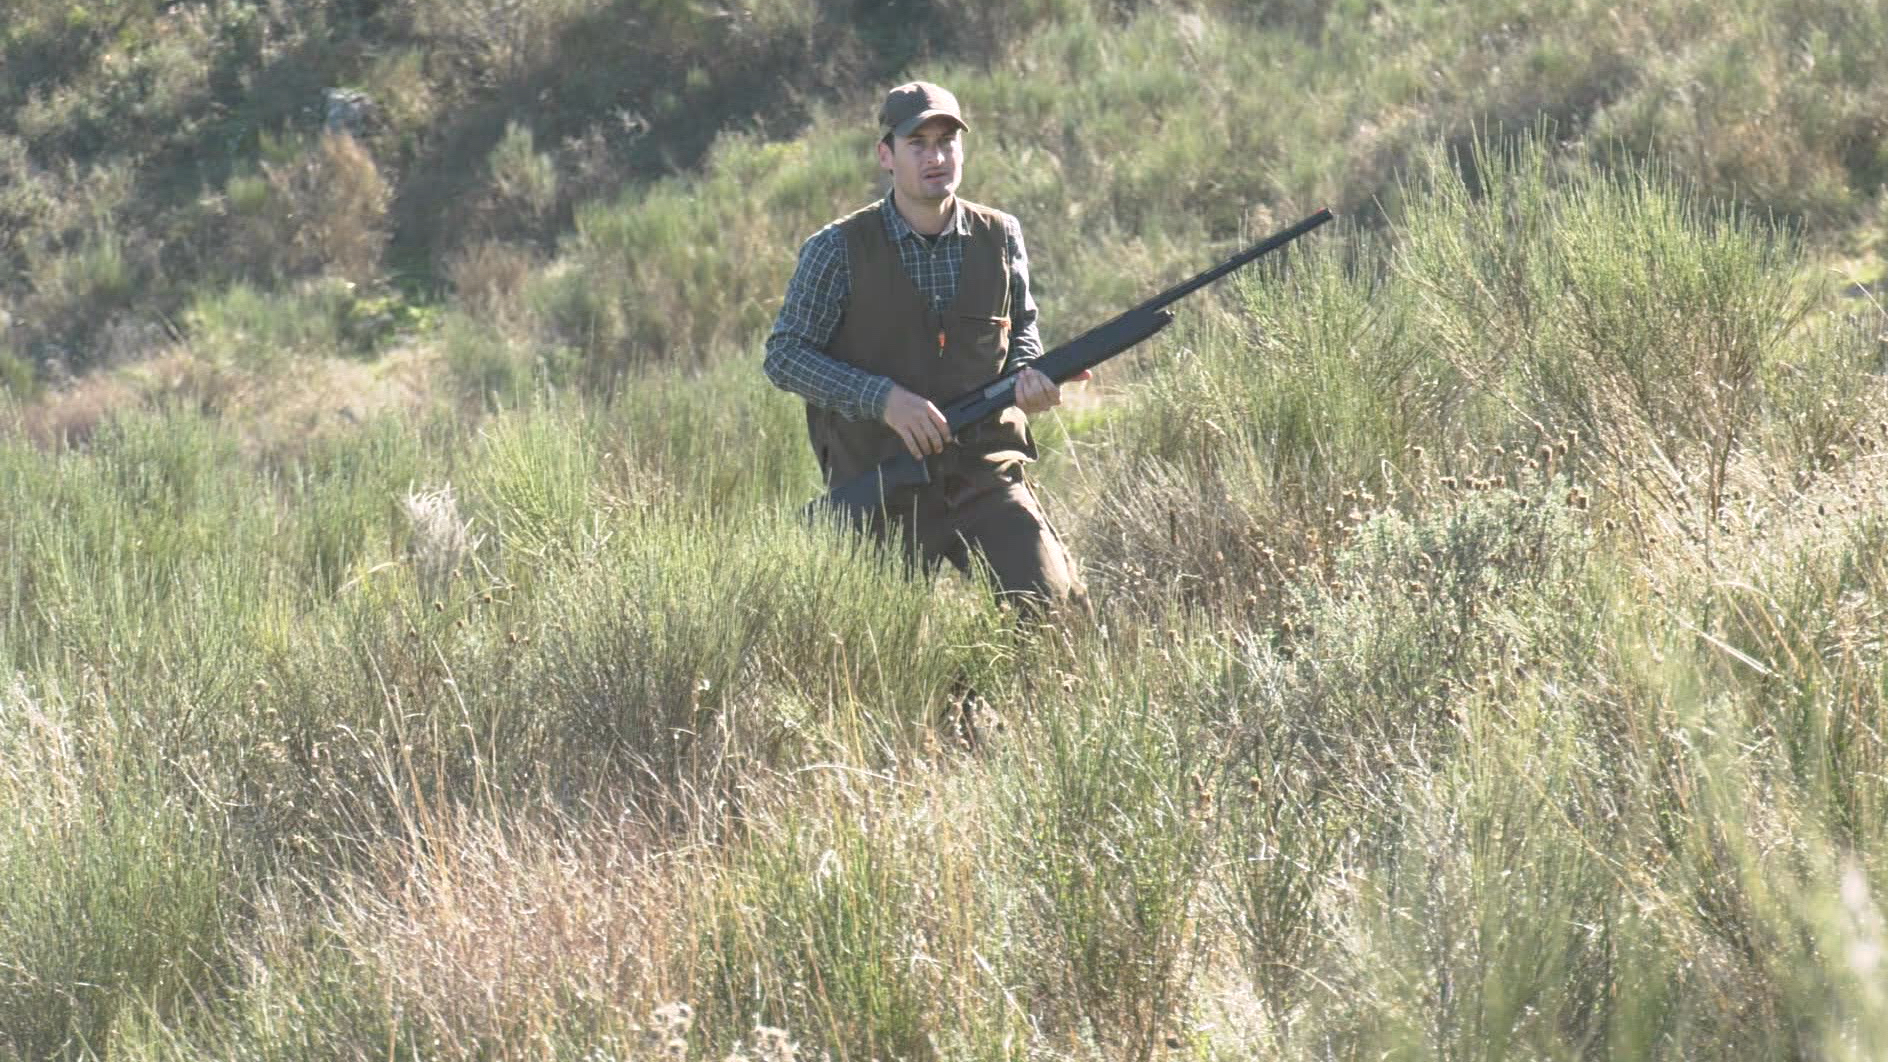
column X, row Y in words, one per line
column 1485, row 658
column 122, row 888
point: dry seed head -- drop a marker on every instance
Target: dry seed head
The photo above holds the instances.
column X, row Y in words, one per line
column 673, row 1019
column 1202, row 795
column 773, row 1045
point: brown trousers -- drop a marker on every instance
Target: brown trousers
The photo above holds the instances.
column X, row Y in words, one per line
column 989, row 512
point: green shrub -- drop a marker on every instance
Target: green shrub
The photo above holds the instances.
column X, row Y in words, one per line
column 1111, row 821
column 851, row 916
column 17, row 378
column 116, row 891
column 252, row 330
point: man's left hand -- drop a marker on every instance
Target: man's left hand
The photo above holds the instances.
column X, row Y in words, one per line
column 1036, row 393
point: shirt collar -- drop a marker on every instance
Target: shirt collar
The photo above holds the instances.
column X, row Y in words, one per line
column 898, row 228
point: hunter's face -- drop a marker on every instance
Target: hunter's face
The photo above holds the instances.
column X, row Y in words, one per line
column 927, row 165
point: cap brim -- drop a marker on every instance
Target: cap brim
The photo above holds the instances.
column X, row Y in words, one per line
column 911, row 124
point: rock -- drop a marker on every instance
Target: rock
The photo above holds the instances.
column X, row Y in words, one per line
column 346, row 110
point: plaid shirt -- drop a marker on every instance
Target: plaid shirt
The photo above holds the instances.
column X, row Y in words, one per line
column 816, row 301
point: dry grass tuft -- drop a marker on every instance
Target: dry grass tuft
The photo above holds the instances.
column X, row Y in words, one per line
column 489, row 279
column 70, row 416
column 323, row 211
column 493, row 938
column 442, row 539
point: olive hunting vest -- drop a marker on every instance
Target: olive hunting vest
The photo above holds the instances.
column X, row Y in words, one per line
column 889, row 328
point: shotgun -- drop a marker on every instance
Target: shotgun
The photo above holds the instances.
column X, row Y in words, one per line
column 866, row 493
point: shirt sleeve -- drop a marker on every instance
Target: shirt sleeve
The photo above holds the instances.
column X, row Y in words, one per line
column 796, row 358
column 1025, row 340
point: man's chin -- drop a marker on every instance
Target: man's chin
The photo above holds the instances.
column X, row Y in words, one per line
column 931, row 195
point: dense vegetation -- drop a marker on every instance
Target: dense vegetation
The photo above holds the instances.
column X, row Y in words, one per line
column 410, row 645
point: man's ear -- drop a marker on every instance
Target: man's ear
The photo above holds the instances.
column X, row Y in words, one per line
column 884, row 156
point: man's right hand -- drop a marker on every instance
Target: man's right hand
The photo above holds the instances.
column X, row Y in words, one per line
column 918, row 422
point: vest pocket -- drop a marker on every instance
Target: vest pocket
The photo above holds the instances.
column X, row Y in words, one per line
column 986, row 336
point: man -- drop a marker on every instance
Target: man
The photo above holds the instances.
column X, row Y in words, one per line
column 909, row 303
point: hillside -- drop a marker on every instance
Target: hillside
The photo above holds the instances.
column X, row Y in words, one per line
column 411, row 644
column 562, row 173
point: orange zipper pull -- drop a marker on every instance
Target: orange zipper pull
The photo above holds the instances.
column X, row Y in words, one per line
column 940, row 342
